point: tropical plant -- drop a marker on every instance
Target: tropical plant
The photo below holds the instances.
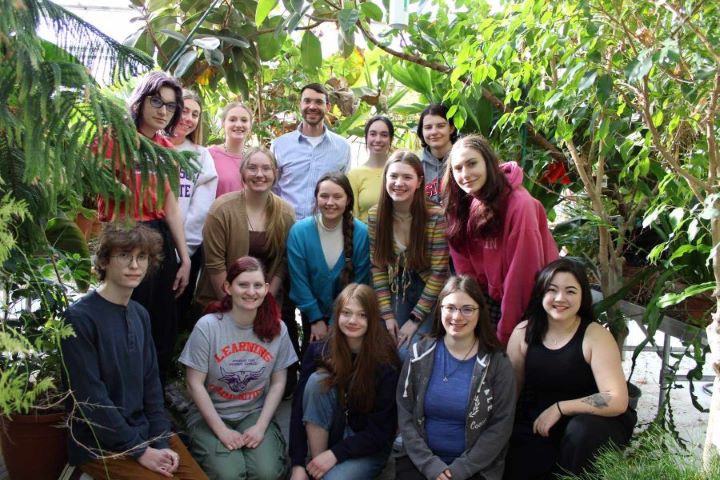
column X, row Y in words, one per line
column 52, row 110
column 35, row 291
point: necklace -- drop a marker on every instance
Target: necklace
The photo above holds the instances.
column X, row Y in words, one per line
column 445, row 361
column 225, row 147
column 325, row 227
column 555, row 340
column 402, row 217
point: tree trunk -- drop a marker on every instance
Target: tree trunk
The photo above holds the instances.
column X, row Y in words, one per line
column 711, row 452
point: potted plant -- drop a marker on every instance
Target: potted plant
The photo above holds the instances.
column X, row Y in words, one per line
column 35, row 291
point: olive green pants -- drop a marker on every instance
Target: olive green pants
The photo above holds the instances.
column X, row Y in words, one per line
column 267, row 461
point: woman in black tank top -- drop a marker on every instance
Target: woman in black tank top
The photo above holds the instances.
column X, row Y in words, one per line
column 573, row 396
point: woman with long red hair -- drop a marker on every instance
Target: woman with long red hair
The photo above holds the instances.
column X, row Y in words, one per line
column 237, row 358
column 344, row 408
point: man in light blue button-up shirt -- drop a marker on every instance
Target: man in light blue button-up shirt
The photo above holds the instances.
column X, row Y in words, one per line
column 306, row 154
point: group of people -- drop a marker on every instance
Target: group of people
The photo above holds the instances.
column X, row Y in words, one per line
column 497, row 371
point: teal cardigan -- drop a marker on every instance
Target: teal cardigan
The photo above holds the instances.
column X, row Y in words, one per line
column 313, row 286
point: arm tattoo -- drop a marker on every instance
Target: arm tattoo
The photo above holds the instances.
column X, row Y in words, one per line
column 598, row 400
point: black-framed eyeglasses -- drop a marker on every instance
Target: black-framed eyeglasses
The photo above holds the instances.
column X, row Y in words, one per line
column 158, row 103
column 465, row 310
column 127, row 258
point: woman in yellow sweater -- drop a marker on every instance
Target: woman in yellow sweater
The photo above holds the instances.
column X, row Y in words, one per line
column 366, row 180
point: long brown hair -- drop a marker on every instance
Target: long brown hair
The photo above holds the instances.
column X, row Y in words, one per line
column 487, row 341
column 276, row 228
column 355, row 380
column 267, row 319
column 466, row 222
column 384, row 253
column 348, row 226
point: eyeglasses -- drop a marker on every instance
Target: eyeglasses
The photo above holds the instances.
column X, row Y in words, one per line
column 255, row 169
column 158, row 103
column 127, row 258
column 465, row 310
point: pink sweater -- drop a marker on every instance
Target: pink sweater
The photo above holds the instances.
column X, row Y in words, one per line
column 227, row 166
column 506, row 266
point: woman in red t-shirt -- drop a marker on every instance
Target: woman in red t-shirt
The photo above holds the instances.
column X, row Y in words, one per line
column 155, row 105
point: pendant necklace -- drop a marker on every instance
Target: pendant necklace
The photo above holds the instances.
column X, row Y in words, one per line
column 447, row 352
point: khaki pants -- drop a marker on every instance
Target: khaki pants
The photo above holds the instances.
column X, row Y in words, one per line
column 265, row 462
column 127, row 468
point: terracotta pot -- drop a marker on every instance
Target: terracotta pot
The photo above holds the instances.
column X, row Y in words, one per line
column 34, row 446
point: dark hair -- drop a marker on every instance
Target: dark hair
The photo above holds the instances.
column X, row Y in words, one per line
column 355, row 380
column 380, row 118
column 149, row 86
column 467, row 220
column 384, row 253
column 196, row 136
column 487, row 340
column 536, row 316
column 125, row 237
column 441, row 111
column 316, row 87
column 267, row 319
column 348, row 226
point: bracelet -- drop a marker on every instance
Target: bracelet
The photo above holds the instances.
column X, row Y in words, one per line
column 557, row 404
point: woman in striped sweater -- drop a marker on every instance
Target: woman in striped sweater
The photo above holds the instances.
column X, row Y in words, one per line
column 408, row 250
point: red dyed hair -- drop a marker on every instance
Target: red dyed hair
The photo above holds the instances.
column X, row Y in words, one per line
column 267, row 319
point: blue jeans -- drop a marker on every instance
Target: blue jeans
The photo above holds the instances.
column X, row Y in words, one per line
column 323, row 409
column 403, row 303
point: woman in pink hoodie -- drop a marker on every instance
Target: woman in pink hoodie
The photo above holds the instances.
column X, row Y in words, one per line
column 497, row 231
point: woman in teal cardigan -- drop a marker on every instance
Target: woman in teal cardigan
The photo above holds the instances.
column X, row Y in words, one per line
column 325, row 253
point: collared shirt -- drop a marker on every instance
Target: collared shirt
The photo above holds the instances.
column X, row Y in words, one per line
column 301, row 165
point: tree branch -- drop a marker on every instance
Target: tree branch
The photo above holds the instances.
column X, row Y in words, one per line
column 714, row 161
column 534, row 136
column 700, row 35
column 696, row 185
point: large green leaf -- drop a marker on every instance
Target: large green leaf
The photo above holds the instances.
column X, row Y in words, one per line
column 413, row 76
column 347, row 18
column 269, row 44
column 311, row 51
column 186, row 60
column 263, row 10
column 371, row 11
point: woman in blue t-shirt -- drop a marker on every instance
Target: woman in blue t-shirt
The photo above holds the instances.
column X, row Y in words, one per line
column 456, row 424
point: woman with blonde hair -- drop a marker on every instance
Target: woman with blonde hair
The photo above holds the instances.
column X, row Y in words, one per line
column 253, row 222
column 237, row 121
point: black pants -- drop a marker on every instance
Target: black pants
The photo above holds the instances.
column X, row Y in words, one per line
column 570, row 448
column 287, row 312
column 188, row 314
column 155, row 293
